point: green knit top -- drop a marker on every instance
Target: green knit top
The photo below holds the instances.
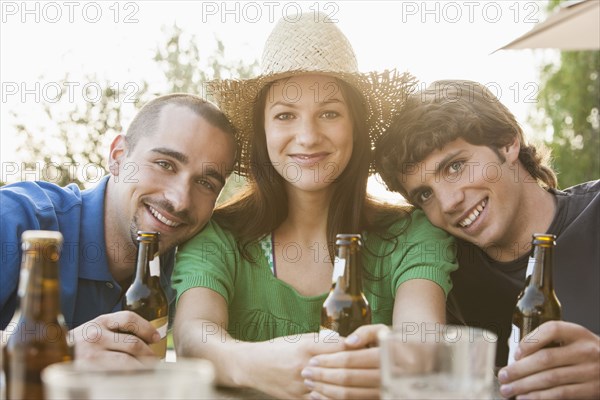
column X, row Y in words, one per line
column 262, row 307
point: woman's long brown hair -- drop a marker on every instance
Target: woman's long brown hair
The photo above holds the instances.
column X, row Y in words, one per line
column 263, row 206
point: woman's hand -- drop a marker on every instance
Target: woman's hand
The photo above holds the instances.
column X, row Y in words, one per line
column 349, row 374
column 275, row 366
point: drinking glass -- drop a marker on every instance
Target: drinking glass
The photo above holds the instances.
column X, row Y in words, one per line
column 422, row 361
column 148, row 379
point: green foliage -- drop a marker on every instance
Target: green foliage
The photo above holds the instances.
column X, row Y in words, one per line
column 570, row 99
column 73, row 143
column 185, row 69
column 552, row 4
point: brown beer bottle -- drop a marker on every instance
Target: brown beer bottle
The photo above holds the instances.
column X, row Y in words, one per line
column 537, row 303
column 346, row 307
column 145, row 296
column 40, row 335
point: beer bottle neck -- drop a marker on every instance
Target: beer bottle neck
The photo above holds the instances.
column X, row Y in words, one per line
column 142, row 269
column 339, row 269
column 541, row 275
column 42, row 294
column 353, row 271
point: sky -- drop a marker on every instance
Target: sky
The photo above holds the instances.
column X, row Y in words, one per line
column 116, row 40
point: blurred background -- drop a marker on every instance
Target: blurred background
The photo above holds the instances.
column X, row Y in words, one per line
column 73, row 74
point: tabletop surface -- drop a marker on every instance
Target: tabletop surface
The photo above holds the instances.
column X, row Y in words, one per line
column 226, row 393
column 223, row 393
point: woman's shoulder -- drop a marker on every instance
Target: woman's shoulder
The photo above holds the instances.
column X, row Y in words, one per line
column 409, row 225
column 420, row 226
column 215, row 238
column 211, row 233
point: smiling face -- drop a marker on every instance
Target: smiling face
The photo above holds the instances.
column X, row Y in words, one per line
column 170, row 180
column 308, row 131
column 470, row 192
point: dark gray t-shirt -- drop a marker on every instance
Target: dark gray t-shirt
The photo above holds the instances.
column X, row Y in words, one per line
column 485, row 291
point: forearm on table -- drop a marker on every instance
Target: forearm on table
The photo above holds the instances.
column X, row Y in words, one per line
column 209, row 340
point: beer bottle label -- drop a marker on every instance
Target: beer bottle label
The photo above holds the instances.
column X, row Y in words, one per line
column 530, row 265
column 160, row 347
column 155, row 266
column 513, row 343
column 339, row 266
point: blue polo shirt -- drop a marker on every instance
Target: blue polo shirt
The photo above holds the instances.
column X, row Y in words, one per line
column 87, row 287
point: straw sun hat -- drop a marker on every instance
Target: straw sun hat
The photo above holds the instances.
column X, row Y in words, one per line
column 310, row 44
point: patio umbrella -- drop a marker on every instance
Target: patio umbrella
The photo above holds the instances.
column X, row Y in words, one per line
column 574, row 27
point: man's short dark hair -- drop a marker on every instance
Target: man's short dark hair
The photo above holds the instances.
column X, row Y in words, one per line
column 448, row 110
column 146, row 121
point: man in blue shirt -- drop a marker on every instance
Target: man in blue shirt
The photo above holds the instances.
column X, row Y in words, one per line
column 459, row 154
column 165, row 176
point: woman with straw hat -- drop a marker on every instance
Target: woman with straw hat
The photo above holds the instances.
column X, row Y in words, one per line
column 252, row 283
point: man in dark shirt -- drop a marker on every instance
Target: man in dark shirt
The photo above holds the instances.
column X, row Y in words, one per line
column 456, row 152
column 165, row 176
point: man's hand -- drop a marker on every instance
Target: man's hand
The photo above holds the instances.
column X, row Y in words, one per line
column 120, row 336
column 569, row 371
column 349, row 374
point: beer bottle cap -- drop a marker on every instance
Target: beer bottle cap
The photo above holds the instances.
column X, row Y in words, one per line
column 37, row 236
column 346, row 239
column 150, row 236
column 542, row 239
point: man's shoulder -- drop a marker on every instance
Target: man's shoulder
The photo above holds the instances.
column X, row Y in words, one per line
column 578, row 212
column 42, row 195
column 589, row 189
column 576, row 203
